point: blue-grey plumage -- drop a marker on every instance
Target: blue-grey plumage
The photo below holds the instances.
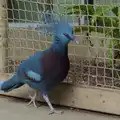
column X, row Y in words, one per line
column 45, row 69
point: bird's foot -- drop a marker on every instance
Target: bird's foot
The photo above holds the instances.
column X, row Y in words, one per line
column 55, row 112
column 32, row 101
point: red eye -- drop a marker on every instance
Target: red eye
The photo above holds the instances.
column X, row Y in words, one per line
column 68, row 36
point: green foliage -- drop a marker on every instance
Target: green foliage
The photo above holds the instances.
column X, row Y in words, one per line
column 100, row 16
column 80, row 9
column 103, row 19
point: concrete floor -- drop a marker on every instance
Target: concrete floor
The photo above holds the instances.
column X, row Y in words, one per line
column 16, row 109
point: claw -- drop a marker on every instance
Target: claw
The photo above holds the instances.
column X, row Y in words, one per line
column 52, row 110
column 55, row 112
column 32, row 100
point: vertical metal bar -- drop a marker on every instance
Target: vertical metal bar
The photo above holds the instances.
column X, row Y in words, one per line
column 3, row 34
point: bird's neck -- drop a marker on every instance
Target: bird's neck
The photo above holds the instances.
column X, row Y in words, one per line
column 58, row 46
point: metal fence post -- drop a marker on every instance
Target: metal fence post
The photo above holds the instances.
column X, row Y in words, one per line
column 3, row 33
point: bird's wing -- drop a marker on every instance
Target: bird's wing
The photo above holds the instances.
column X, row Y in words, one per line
column 32, row 76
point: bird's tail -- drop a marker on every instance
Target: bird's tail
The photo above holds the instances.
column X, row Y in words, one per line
column 10, row 84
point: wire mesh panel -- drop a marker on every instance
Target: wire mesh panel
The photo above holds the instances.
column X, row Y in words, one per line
column 95, row 62
column 98, row 52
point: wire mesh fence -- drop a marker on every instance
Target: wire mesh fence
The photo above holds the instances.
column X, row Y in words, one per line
column 95, row 62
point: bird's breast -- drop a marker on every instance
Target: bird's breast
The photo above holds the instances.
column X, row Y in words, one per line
column 55, row 65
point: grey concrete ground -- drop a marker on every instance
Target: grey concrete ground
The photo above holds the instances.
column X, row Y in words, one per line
column 16, row 109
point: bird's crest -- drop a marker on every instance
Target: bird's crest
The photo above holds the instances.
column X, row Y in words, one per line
column 57, row 26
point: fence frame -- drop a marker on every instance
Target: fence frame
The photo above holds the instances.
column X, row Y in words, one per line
column 102, row 100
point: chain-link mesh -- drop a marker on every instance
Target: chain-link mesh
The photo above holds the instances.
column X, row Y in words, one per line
column 95, row 61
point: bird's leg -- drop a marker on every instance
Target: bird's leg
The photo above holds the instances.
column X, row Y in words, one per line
column 33, row 99
column 52, row 110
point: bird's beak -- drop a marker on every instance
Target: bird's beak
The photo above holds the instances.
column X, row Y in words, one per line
column 73, row 38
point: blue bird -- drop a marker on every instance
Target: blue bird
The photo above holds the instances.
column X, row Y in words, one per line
column 44, row 70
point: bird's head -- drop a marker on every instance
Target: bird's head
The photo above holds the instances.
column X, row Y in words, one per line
column 64, row 32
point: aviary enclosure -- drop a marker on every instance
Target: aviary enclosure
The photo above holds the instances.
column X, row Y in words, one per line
column 94, row 79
